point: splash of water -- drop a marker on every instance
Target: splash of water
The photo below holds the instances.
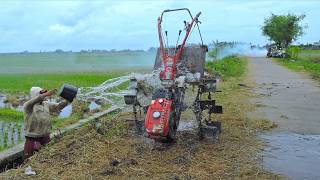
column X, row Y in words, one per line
column 110, row 92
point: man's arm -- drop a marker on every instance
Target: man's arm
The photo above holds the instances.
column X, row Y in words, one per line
column 28, row 106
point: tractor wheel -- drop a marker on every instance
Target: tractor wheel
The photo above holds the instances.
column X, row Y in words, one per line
column 171, row 137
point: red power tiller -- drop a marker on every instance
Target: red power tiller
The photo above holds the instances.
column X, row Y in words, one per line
column 163, row 114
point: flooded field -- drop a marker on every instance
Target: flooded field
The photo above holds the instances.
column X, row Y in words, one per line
column 11, row 133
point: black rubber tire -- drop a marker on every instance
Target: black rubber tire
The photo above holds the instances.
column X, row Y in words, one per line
column 171, row 137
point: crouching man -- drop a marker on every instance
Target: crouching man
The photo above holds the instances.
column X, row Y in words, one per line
column 37, row 119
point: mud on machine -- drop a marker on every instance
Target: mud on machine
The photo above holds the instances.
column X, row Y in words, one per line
column 180, row 66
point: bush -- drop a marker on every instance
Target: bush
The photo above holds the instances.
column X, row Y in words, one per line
column 229, row 66
column 293, row 52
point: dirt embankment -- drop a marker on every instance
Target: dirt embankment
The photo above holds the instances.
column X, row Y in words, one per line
column 109, row 148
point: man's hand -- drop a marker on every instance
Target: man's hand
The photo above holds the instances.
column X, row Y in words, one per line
column 49, row 93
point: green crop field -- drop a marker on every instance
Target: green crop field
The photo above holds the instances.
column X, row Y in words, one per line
column 73, row 62
column 19, row 72
column 21, row 83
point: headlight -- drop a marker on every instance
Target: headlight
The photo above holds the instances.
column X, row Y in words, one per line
column 156, row 114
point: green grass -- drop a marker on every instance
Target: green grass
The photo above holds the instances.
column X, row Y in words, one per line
column 308, row 61
column 21, row 83
column 7, row 114
column 229, row 66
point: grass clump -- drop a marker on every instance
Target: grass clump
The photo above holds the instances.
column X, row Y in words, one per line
column 7, row 114
column 229, row 66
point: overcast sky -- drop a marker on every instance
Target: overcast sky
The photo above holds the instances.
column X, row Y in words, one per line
column 76, row 25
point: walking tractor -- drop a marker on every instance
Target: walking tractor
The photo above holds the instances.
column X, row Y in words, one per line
column 180, row 66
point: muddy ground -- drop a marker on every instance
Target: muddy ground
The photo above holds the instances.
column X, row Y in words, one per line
column 110, row 148
column 292, row 100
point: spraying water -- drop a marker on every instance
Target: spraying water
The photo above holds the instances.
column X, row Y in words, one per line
column 110, row 92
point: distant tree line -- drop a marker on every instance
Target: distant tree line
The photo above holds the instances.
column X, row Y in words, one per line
column 151, row 49
column 313, row 46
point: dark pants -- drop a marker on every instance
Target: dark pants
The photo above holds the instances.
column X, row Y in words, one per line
column 34, row 144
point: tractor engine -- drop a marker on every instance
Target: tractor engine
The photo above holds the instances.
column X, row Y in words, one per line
column 159, row 118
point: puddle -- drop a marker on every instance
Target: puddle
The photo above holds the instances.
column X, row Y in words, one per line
column 296, row 155
column 8, row 105
column 187, row 125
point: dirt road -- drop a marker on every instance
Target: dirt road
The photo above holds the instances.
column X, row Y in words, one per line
column 292, row 100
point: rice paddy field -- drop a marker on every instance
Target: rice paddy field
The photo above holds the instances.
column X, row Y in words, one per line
column 74, row 62
column 11, row 128
column 20, row 71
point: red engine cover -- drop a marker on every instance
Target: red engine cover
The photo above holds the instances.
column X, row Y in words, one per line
column 157, row 127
